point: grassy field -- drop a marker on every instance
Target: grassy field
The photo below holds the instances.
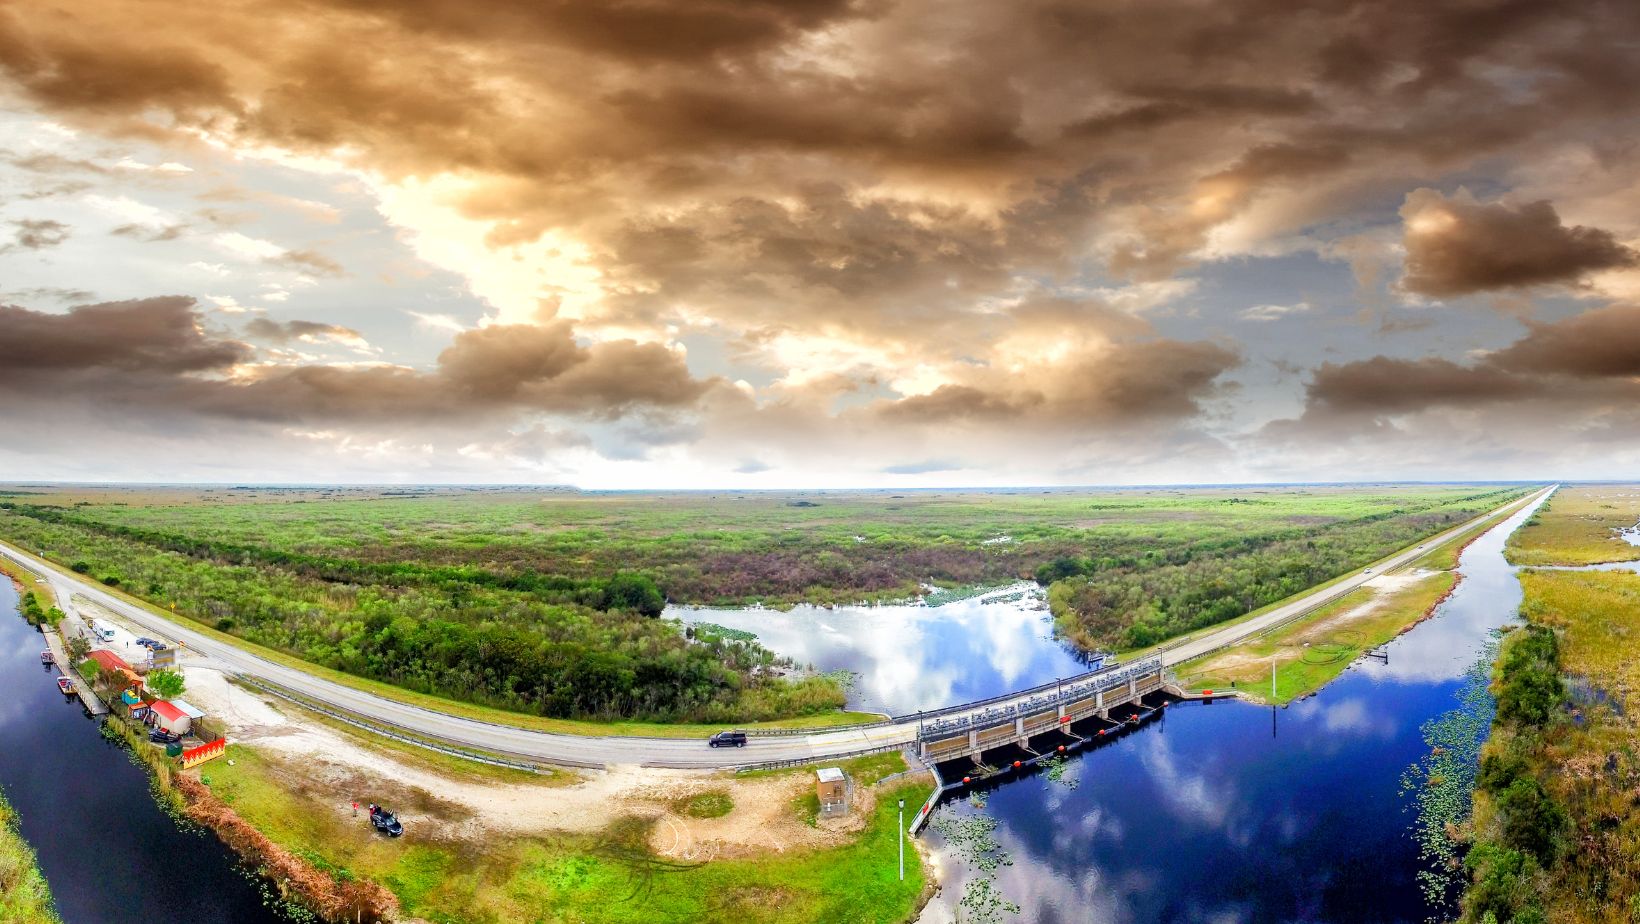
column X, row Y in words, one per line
column 533, row 602
column 1579, row 526
column 1310, row 652
column 1555, row 831
column 610, row 876
column 24, row 896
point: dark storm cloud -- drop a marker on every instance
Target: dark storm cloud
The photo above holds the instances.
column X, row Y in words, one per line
column 1383, row 386
column 65, row 67
column 1600, row 343
column 588, row 110
column 1590, row 359
column 898, row 185
column 146, row 337
column 156, row 355
column 1456, row 246
column 1115, row 384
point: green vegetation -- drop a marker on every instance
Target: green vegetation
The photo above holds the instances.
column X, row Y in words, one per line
column 1579, row 526
column 1310, row 652
column 1556, row 833
column 1130, row 598
column 34, row 597
column 165, row 684
column 610, row 876
column 25, row 898
column 526, row 643
column 541, row 603
column 1442, row 784
column 714, row 803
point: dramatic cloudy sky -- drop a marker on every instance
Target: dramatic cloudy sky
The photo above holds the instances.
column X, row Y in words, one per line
column 819, row 242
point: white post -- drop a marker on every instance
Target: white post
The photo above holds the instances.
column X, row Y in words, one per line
column 1272, row 680
column 902, row 840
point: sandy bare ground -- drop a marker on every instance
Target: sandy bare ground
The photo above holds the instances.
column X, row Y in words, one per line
column 337, row 769
column 1383, row 587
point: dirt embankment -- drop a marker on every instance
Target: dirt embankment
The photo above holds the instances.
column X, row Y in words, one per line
column 295, row 878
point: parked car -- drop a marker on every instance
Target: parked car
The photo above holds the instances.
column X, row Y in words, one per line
column 382, row 820
column 161, row 736
column 145, row 641
column 727, row 739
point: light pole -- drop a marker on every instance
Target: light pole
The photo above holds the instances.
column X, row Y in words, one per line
column 902, row 840
column 1272, row 680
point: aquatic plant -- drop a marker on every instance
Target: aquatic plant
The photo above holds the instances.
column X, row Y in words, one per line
column 972, row 837
column 1057, row 768
column 1442, row 785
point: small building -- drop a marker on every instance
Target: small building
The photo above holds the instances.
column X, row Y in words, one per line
column 170, row 718
column 115, row 670
column 831, row 786
column 109, row 662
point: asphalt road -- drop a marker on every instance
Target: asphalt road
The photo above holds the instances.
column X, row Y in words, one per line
column 590, row 751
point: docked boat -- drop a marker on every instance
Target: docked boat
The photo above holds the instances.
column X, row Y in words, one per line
column 66, row 685
column 45, row 656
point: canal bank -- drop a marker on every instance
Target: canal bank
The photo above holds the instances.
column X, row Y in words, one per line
column 110, row 853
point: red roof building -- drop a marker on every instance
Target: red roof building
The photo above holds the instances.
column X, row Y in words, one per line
column 109, row 661
column 170, row 718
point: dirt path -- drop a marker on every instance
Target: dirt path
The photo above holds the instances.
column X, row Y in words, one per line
column 337, row 768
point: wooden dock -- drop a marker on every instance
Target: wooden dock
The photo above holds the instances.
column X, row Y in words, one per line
column 59, row 655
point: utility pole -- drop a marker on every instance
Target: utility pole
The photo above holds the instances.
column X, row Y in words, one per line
column 1272, row 680
column 902, row 840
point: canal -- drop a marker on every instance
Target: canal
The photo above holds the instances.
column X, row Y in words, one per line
column 1230, row 812
column 111, row 855
column 1225, row 812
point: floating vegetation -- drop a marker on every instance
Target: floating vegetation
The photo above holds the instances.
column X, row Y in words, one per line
column 712, row 628
column 1442, row 785
column 973, row 839
column 1057, row 768
column 942, row 595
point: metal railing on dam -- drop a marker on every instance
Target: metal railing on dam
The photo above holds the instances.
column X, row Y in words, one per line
column 1018, row 718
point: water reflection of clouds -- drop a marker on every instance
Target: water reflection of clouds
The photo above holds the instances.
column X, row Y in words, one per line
column 1189, row 794
column 912, row 657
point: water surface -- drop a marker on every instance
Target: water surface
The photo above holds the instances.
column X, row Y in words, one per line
column 911, row 657
column 111, row 855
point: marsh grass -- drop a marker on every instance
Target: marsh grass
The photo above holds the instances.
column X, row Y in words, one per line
column 1557, row 831
column 25, row 898
column 1579, row 526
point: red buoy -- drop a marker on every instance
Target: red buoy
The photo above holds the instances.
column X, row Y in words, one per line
column 965, row 779
column 1061, row 749
column 1016, row 765
column 1101, row 731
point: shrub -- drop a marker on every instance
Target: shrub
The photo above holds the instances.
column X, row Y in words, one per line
column 635, row 592
column 1532, row 822
column 1528, row 682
